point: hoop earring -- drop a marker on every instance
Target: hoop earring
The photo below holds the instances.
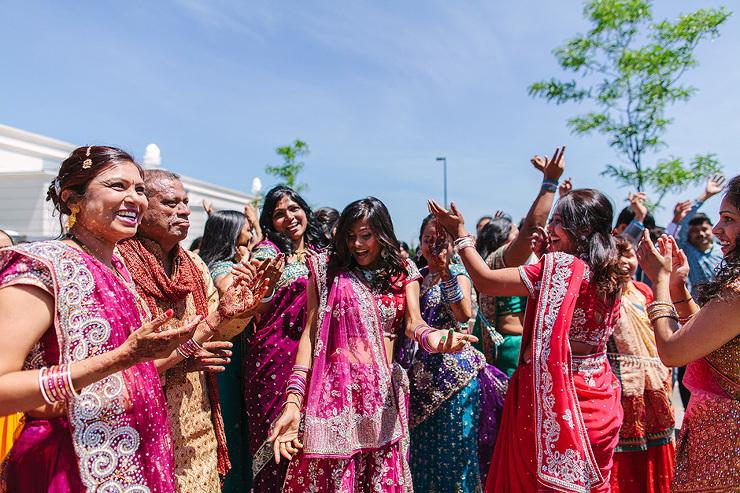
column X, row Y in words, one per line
column 72, row 219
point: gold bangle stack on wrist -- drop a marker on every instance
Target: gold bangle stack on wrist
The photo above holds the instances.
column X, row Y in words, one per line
column 56, row 383
column 660, row 309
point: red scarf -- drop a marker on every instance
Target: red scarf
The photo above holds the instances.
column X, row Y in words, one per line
column 153, row 284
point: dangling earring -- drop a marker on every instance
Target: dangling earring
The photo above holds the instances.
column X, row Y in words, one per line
column 72, row 219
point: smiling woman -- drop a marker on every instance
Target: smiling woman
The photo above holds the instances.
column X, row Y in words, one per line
column 71, row 359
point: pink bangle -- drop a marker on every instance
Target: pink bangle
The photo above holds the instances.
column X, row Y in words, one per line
column 416, row 330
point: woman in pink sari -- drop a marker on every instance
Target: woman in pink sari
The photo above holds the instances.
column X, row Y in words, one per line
column 562, row 414
column 708, row 340
column 355, row 422
column 72, row 358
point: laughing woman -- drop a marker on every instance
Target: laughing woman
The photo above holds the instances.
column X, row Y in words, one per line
column 72, row 358
column 708, row 450
column 361, row 297
column 291, row 229
column 562, row 415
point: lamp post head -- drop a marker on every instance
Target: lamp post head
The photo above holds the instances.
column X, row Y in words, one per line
column 442, row 159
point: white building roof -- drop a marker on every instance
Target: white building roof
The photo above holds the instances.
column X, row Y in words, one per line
column 28, row 164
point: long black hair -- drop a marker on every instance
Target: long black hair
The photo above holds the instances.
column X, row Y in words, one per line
column 220, row 236
column 381, row 225
column 586, row 216
column 729, row 269
column 492, row 235
column 314, row 234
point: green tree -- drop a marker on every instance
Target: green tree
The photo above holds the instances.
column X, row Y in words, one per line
column 287, row 173
column 631, row 68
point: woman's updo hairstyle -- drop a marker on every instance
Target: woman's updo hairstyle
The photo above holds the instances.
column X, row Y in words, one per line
column 79, row 169
column 586, row 216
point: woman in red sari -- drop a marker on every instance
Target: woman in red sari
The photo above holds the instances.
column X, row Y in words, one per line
column 559, row 428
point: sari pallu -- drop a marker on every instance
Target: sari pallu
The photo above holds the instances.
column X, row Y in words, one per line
column 355, row 426
column 708, row 450
column 116, row 434
column 268, row 362
column 544, row 442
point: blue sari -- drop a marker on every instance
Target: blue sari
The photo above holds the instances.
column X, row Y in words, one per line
column 455, row 406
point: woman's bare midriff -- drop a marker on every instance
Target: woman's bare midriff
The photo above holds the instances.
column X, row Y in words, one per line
column 576, row 348
column 511, row 324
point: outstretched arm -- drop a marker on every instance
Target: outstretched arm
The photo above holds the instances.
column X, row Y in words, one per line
column 502, row 282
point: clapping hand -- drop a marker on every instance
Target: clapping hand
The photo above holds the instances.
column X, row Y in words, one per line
column 243, row 296
column 148, row 343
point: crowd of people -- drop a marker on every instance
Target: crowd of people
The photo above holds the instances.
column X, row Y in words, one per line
column 309, row 351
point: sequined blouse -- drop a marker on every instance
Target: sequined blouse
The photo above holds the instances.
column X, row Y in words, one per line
column 584, row 326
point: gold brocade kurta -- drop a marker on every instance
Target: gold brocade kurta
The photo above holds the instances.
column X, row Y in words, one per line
column 186, row 393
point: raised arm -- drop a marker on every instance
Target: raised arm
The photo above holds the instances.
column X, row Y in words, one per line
column 502, row 282
column 517, row 252
column 706, row 330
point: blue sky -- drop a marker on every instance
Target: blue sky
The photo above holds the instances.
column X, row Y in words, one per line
column 377, row 89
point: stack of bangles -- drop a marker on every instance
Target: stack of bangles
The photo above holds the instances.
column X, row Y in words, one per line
column 463, row 242
column 550, row 185
column 189, row 348
column 660, row 309
column 422, row 338
column 297, row 383
column 451, row 290
column 56, row 383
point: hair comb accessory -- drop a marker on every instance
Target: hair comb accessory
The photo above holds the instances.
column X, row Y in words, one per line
column 57, row 187
column 87, row 162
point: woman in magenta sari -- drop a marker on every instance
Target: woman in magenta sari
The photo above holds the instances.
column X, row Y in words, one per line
column 708, row 340
column 559, row 428
column 290, row 228
column 72, row 359
column 355, row 422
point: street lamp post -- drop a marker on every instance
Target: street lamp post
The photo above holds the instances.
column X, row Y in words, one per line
column 444, row 164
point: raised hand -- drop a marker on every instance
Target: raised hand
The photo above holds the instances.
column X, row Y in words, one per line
column 500, row 214
column 148, row 343
column 243, row 296
column 565, row 188
column 715, row 184
column 284, row 433
column 637, row 204
column 452, row 221
column 208, row 207
column 551, row 168
column 213, row 356
column 655, row 262
column 449, row 341
column 679, row 266
column 680, row 210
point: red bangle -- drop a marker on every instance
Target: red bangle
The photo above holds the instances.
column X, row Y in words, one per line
column 210, row 326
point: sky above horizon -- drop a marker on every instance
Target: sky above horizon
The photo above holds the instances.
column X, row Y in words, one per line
column 378, row 90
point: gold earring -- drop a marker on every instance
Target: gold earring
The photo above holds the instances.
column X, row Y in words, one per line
column 72, row 219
